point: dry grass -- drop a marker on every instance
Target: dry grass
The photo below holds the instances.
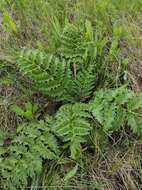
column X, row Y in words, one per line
column 119, row 170
column 133, row 50
column 8, row 119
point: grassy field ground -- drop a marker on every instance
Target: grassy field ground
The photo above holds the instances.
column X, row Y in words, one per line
column 109, row 33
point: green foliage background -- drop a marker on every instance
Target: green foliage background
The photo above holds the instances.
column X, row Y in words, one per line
column 67, row 92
